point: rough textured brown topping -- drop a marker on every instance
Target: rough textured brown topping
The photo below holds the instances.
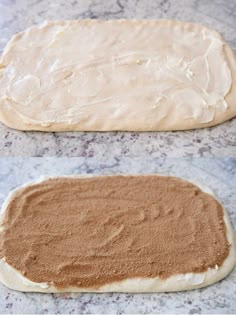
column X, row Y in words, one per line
column 88, row 232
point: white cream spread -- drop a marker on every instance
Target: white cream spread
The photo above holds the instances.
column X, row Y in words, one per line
column 111, row 72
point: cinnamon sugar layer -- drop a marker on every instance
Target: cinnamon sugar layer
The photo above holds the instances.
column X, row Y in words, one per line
column 88, row 232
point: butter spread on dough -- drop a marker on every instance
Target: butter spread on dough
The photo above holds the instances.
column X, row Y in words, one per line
column 117, row 75
column 110, row 233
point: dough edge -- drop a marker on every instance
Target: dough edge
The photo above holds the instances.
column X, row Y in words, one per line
column 11, row 278
column 13, row 120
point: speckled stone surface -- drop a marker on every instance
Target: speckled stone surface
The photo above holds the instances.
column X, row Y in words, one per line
column 119, row 152
column 16, row 15
column 217, row 174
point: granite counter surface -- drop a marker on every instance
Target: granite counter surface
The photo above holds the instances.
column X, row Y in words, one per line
column 218, row 141
column 217, row 174
column 122, row 152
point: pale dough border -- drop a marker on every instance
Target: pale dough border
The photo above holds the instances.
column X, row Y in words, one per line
column 14, row 280
column 11, row 119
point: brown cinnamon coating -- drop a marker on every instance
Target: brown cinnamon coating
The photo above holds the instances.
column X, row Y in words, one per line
column 88, row 232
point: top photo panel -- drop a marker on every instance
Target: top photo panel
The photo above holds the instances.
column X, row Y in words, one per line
column 118, row 78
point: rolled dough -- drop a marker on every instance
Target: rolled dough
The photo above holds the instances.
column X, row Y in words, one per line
column 136, row 75
column 15, row 280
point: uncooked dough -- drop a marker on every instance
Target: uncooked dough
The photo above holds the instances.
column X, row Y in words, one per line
column 16, row 280
column 117, row 75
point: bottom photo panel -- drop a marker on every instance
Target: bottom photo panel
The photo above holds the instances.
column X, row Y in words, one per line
column 117, row 235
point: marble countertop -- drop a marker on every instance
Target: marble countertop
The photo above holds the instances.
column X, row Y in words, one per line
column 122, row 152
column 217, row 174
column 211, row 142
